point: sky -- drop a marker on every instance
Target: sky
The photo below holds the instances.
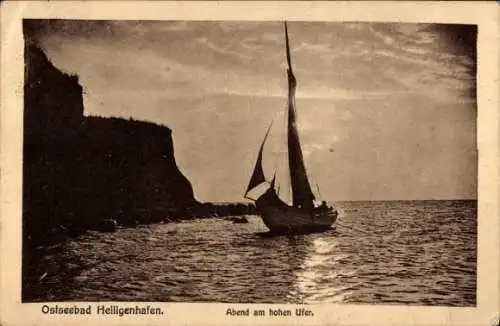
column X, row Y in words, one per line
column 386, row 111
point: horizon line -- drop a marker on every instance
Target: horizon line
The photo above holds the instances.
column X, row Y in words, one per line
column 350, row 200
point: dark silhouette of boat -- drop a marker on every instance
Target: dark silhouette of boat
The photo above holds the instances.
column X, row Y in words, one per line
column 304, row 215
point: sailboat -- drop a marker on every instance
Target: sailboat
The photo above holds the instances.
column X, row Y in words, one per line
column 303, row 215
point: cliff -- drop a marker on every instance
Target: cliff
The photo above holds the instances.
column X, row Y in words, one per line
column 80, row 171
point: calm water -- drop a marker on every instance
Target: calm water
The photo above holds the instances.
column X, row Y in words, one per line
column 380, row 252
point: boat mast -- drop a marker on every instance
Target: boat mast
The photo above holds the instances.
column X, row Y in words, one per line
column 288, row 58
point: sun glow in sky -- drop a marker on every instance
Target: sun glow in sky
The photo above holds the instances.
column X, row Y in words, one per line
column 386, row 111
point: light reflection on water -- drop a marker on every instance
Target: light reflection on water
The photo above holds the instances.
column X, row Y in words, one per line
column 322, row 265
column 380, row 252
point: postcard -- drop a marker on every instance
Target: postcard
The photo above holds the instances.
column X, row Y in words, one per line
column 249, row 163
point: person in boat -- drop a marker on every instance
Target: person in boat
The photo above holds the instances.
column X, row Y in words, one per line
column 323, row 207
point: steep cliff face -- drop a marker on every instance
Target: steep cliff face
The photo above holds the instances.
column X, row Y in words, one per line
column 53, row 105
column 79, row 171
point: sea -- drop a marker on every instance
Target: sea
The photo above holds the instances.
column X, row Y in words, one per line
column 379, row 252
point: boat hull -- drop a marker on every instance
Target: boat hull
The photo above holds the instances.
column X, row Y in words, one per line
column 290, row 220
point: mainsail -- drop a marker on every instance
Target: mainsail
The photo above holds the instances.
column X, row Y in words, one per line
column 301, row 189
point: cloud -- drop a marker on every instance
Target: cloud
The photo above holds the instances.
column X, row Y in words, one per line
column 220, row 63
column 415, row 50
column 363, row 89
column 223, row 50
column 421, row 68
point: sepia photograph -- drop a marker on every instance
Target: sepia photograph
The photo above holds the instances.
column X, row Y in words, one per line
column 250, row 162
column 257, row 170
